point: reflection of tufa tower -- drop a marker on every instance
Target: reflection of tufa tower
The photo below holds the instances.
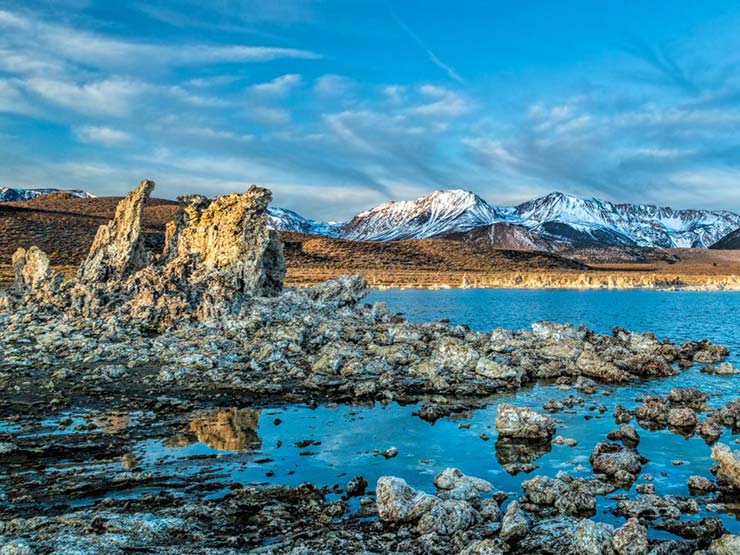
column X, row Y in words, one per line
column 228, row 430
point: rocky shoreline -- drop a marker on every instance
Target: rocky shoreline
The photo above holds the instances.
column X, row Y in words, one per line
column 207, row 323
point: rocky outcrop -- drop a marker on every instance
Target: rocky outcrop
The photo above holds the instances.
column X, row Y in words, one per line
column 32, row 273
column 218, row 255
column 118, row 248
column 226, row 240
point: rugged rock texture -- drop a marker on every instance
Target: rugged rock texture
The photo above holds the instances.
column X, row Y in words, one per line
column 32, row 273
column 523, row 423
column 226, row 239
column 217, row 256
column 118, row 248
column 728, row 475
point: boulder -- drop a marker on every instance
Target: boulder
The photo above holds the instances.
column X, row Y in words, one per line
column 728, row 475
column 448, row 517
column 32, row 273
column 631, row 538
column 726, row 545
column 523, row 423
column 399, row 502
column 514, row 525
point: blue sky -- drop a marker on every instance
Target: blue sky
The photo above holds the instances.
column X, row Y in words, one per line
column 338, row 106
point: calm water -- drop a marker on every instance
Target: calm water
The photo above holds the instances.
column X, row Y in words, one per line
column 268, row 446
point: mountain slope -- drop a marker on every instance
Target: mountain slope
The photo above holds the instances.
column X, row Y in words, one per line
column 8, row 194
column 282, row 219
column 606, row 223
column 437, row 214
column 731, row 241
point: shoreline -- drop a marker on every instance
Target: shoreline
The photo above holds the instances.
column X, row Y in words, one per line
column 596, row 280
column 576, row 280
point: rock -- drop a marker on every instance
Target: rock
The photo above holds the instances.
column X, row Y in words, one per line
column 448, row 517
column 585, row 385
column 626, row 434
column 523, row 423
column 726, row 545
column 729, row 415
column 687, row 396
column 451, row 479
column 399, row 502
column 631, row 538
column 226, row 241
column 709, row 430
column 622, row 415
column 698, row 485
column 652, row 507
column 728, row 475
column 560, row 440
column 118, row 248
column 389, row 453
column 356, row 486
column 593, row 538
column 616, row 462
column 490, row 510
column 343, row 290
column 704, row 529
column 723, row 369
column 682, row 417
column 710, row 353
column 514, row 524
column 653, row 410
column 482, row 547
column 553, row 406
column 15, row 546
column 32, row 273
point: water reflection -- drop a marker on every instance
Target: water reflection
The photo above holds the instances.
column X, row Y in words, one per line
column 228, row 430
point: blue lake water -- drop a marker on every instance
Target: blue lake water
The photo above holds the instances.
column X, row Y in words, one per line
column 259, row 446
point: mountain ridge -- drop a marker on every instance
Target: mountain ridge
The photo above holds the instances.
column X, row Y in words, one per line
column 553, row 218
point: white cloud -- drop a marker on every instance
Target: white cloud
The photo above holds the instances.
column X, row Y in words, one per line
column 114, row 96
column 332, row 85
column 278, row 86
column 446, row 103
column 102, row 135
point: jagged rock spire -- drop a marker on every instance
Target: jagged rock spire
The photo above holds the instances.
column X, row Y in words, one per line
column 118, row 248
column 226, row 241
column 32, row 272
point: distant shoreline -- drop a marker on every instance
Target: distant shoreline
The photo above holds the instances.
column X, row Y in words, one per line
column 545, row 279
column 577, row 280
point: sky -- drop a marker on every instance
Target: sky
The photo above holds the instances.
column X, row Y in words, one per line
column 340, row 105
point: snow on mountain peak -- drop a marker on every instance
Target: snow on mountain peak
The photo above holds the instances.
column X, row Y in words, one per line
column 435, row 214
column 10, row 194
column 556, row 216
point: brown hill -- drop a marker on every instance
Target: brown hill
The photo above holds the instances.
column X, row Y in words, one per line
column 64, row 226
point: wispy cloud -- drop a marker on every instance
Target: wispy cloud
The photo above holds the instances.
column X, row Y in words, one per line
column 449, row 70
column 102, row 135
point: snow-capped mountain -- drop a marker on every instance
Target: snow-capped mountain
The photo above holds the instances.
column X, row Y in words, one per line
column 556, row 218
column 282, row 219
column 430, row 216
column 8, row 194
column 574, row 219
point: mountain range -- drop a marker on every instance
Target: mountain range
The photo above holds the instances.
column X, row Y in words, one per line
column 554, row 222
column 551, row 222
